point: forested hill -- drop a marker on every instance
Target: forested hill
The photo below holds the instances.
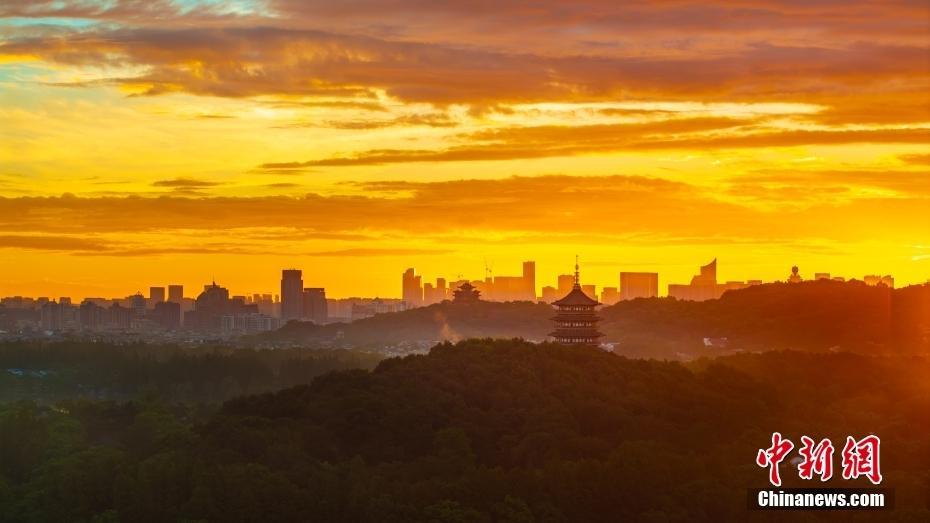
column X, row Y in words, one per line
column 813, row 315
column 816, row 315
column 442, row 321
column 481, row 431
column 50, row 372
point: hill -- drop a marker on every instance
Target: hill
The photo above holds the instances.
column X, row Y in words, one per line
column 479, row 431
column 442, row 321
column 50, row 372
column 815, row 315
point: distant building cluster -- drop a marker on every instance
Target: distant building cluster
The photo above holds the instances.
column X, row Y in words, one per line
column 633, row 285
column 704, row 286
column 299, row 302
column 215, row 312
column 493, row 288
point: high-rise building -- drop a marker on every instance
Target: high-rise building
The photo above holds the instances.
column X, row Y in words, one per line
column 702, row 287
column 549, row 294
column 156, row 295
column 590, row 290
column 529, row 279
column 314, row 305
column 265, row 304
column 212, row 305
column 167, row 314
column 119, row 317
column 874, row 280
column 435, row 293
column 138, row 306
column 412, row 288
column 610, row 296
column 708, row 274
column 638, row 285
column 92, row 316
column 175, row 293
column 292, row 289
column 50, row 316
column 566, row 281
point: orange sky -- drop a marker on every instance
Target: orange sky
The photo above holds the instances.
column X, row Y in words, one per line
column 147, row 143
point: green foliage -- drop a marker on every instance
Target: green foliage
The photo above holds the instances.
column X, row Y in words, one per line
column 483, row 430
column 71, row 369
column 813, row 315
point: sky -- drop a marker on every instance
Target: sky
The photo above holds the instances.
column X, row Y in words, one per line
column 155, row 142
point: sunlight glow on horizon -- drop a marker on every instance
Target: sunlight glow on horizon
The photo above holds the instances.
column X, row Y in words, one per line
column 369, row 141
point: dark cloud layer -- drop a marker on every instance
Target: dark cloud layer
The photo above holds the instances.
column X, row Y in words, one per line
column 548, row 204
column 543, row 142
column 250, row 61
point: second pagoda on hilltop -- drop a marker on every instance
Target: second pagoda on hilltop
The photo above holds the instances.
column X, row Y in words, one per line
column 576, row 318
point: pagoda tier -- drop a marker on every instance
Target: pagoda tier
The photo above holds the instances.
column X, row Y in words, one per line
column 576, row 318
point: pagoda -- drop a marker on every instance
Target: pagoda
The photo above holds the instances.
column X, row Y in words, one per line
column 466, row 293
column 576, row 318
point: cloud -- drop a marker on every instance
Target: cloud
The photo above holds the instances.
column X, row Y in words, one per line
column 813, row 184
column 126, row 11
column 213, row 116
column 550, row 205
column 267, row 60
column 51, row 243
column 428, row 120
column 917, row 159
column 380, row 252
column 185, row 183
column 551, row 141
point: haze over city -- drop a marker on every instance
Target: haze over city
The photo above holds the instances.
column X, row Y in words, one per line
column 178, row 141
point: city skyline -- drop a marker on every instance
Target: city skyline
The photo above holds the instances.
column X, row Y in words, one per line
column 188, row 139
column 545, row 288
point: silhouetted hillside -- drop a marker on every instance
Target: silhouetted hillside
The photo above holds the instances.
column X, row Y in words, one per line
column 816, row 315
column 480, row 431
column 813, row 315
column 78, row 369
column 443, row 321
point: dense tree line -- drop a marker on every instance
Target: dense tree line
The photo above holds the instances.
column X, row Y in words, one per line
column 478, row 431
column 64, row 370
column 442, row 321
column 813, row 315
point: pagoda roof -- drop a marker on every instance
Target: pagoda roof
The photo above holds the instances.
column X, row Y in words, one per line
column 576, row 297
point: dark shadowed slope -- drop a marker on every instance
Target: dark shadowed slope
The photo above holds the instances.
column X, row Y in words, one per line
column 479, row 431
column 816, row 315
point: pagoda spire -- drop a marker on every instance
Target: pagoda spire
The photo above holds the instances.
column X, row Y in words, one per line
column 577, row 277
column 576, row 317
